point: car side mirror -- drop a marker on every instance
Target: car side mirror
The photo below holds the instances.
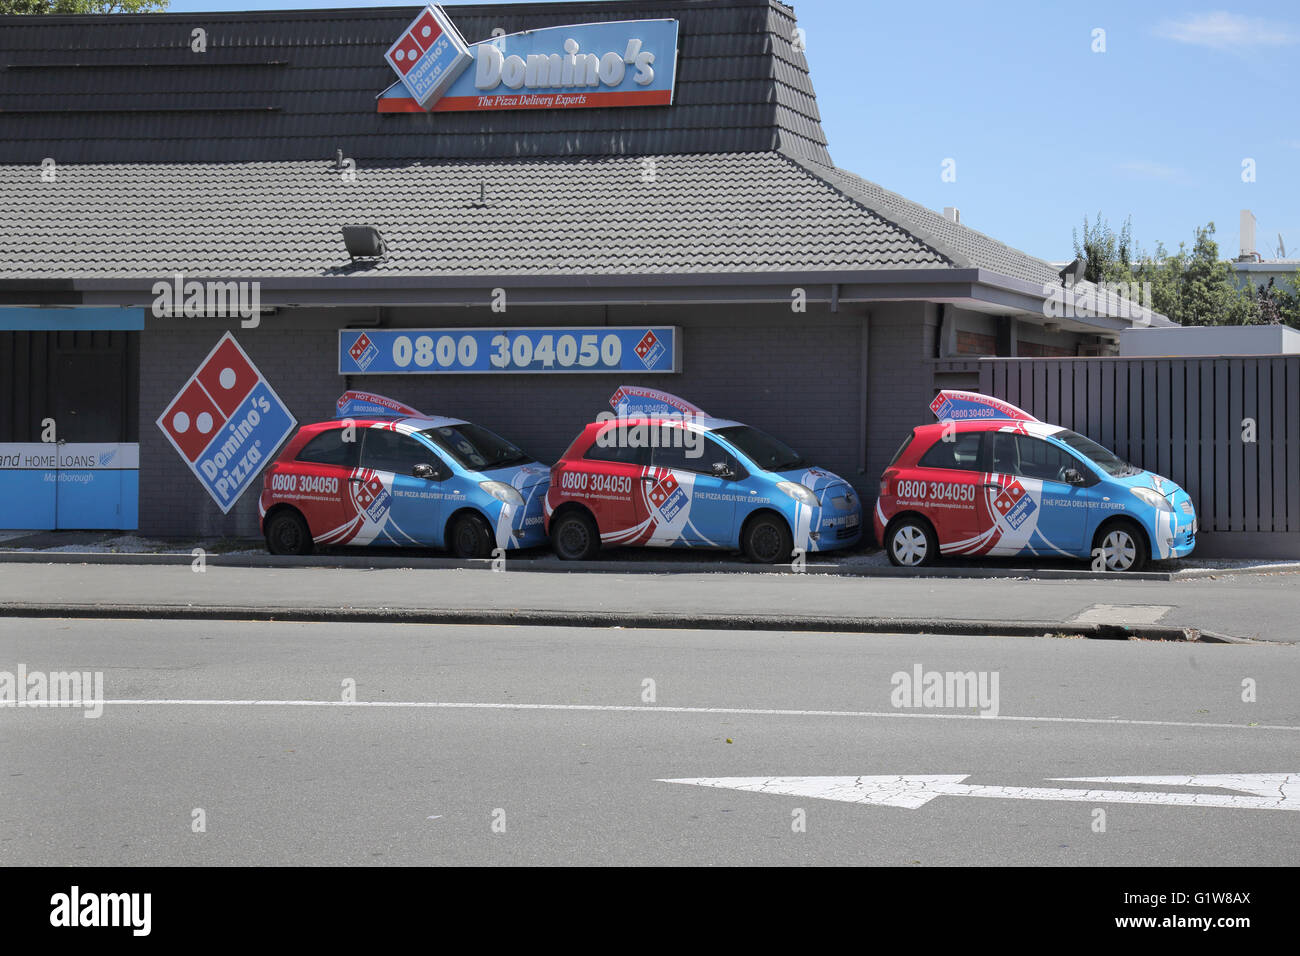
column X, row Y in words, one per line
column 719, row 469
column 1074, row 477
column 427, row 472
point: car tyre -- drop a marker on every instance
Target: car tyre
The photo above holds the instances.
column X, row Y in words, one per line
column 768, row 540
column 1123, row 547
column 287, row 533
column 574, row 536
column 910, row 542
column 471, row 537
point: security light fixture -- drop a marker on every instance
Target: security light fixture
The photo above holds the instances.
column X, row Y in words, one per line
column 1074, row 272
column 364, row 242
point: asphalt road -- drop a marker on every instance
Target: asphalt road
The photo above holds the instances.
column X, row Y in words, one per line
column 1262, row 606
column 292, row 775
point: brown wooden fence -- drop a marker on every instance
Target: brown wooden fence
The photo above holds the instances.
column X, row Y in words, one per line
column 1226, row 429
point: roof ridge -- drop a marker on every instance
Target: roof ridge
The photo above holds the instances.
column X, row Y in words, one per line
column 918, row 231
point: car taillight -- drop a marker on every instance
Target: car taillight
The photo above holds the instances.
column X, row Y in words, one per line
column 884, row 483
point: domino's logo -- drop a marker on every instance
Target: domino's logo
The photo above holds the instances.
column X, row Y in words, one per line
column 373, row 499
column 1014, row 505
column 226, row 422
column 650, row 350
column 668, row 497
column 363, row 351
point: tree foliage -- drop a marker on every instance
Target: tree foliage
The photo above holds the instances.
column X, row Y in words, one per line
column 82, row 6
column 1192, row 286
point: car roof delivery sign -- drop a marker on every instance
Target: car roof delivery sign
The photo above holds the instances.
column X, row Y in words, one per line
column 226, row 422
column 429, row 55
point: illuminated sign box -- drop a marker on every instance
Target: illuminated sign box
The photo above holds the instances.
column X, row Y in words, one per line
column 644, row 349
column 582, row 66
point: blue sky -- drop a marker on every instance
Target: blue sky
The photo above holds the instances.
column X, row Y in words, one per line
column 1043, row 130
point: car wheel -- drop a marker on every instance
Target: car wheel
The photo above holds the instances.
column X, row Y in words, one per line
column 910, row 543
column 768, row 540
column 287, row 533
column 1122, row 548
column 574, row 536
column 471, row 537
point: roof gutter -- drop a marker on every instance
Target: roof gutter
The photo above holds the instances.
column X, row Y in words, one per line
column 835, row 288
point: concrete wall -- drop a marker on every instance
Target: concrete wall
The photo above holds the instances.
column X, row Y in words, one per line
column 797, row 376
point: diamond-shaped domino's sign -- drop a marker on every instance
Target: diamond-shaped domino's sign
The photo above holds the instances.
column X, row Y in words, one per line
column 429, row 56
column 226, row 422
column 649, row 349
column 363, row 351
column 1008, row 497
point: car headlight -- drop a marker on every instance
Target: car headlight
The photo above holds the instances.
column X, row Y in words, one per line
column 502, row 492
column 800, row 493
column 1154, row 498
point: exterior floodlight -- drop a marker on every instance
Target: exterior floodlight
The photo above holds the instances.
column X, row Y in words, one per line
column 364, row 242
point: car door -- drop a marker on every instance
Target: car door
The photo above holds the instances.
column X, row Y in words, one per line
column 405, row 509
column 316, row 483
column 607, row 480
column 690, row 503
column 1036, row 509
column 947, row 486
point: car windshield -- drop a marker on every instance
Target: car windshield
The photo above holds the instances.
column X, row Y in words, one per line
column 762, row 449
column 1106, row 460
column 474, row 447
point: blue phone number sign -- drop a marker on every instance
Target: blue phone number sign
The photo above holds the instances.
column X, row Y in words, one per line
column 461, row 351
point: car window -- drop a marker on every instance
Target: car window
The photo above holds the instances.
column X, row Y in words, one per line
column 1042, row 459
column 387, row 450
column 901, row 448
column 700, row 458
column 475, row 447
column 1103, row 458
column 617, row 451
column 962, row 453
column 329, row 448
column 768, row 453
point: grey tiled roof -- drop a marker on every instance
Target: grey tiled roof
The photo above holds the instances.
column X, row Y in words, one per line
column 962, row 245
column 297, row 84
column 705, row 213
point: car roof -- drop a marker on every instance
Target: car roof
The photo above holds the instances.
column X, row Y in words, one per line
column 698, row 423
column 1037, row 429
column 410, row 424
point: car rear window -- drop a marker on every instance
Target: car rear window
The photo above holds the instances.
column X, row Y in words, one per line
column 901, row 448
column 329, row 448
column 961, row 454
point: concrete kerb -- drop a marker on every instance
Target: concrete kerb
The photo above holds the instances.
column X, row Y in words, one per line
column 387, row 562
column 523, row 617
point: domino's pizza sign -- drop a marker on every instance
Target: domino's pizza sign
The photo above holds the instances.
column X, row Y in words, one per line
column 1014, row 505
column 226, row 422
column 429, row 56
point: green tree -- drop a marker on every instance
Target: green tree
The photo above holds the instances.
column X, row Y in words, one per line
column 82, row 6
column 1107, row 254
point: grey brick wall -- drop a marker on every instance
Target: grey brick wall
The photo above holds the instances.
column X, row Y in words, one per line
column 796, row 376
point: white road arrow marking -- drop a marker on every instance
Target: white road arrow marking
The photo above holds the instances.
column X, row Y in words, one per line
column 1268, row 791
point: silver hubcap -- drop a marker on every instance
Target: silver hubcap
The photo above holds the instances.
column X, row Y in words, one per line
column 910, row 545
column 1119, row 551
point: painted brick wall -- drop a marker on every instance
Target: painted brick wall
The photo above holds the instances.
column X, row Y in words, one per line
column 796, row 377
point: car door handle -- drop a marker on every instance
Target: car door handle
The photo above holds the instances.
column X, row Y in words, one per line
column 990, row 484
column 356, row 481
column 649, row 478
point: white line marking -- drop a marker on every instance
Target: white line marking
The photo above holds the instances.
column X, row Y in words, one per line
column 633, row 709
column 911, row 792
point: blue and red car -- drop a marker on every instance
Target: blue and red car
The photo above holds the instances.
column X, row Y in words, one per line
column 382, row 473
column 990, row 479
column 659, row 472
